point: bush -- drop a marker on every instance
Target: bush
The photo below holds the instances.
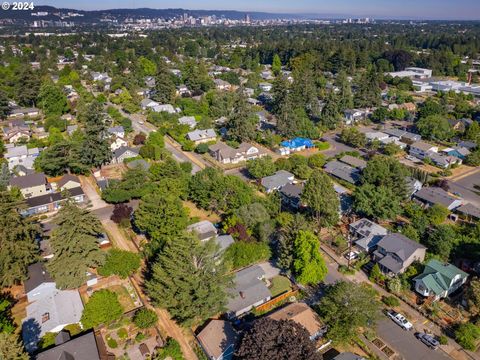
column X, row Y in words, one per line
column 140, row 337
column 120, row 262
column 443, row 340
column 122, row 333
column 112, row 343
column 391, row 301
column 343, row 269
column 241, row 253
column 171, row 349
column 145, row 318
column 467, row 336
column 322, row 145
column 201, row 148
column 102, row 307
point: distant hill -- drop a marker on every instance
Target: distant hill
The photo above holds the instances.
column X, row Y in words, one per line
column 122, row 14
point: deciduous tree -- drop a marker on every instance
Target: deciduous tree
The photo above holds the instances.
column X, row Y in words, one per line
column 308, row 264
column 103, row 307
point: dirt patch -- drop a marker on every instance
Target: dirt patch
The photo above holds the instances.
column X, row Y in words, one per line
column 201, row 214
column 114, row 171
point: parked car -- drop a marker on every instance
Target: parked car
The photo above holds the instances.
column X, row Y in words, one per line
column 428, row 340
column 400, row 320
column 351, row 255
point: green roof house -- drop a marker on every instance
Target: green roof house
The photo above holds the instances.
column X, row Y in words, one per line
column 439, row 279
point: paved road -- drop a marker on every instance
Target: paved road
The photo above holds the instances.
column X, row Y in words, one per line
column 464, row 186
column 405, row 343
column 336, row 147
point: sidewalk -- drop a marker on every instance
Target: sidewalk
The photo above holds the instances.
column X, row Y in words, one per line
column 420, row 322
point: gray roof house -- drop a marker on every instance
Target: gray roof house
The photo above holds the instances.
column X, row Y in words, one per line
column 188, row 120
column 343, row 171
column 83, row 347
column 291, row 195
column 403, row 135
column 354, row 162
column 218, row 340
column 435, row 195
column 205, row 230
column 49, row 309
column 224, row 241
column 366, row 234
column 277, row 180
column 123, row 153
column 249, row 291
column 202, row 136
column 469, row 211
column 117, row 131
column 395, row 253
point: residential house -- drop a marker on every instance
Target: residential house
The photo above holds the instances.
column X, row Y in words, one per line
column 228, row 155
column 395, row 253
column 468, row 212
column 49, row 309
column 294, row 145
column 250, row 291
column 413, row 73
column 469, row 145
column 20, row 112
column 267, row 75
column 291, row 195
column 265, row 86
column 202, row 136
column 354, row 161
column 83, row 347
column 413, row 185
column 222, row 85
column 146, row 104
column 13, row 135
column 31, row 185
column 443, row 161
column 68, row 182
column 457, row 151
column 150, row 81
column 182, row 90
column 218, row 340
column 395, row 141
column 101, row 77
column 376, row 135
column 439, row 279
column 437, row 196
column 366, row 234
column 124, row 153
column 277, row 180
column 422, row 150
column 403, row 135
column 117, row 131
column 21, row 156
column 117, row 143
column 205, row 230
column 188, row 120
column 303, row 315
column 71, row 129
column 351, row 116
column 342, row 171
column 52, row 201
column 168, row 108
column 224, row 241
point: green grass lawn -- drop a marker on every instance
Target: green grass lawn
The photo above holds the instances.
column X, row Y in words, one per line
column 279, row 285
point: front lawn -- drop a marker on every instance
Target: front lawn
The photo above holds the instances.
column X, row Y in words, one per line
column 279, row 285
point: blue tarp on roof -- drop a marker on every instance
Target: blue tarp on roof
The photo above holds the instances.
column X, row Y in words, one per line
column 297, row 142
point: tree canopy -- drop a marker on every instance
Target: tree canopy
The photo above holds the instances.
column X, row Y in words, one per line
column 103, row 307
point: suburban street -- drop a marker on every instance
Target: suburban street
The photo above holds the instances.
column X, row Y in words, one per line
column 336, row 147
column 464, row 185
column 405, row 343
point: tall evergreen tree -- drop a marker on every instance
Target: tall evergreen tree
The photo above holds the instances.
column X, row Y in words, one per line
column 242, row 122
column 280, row 94
column 17, row 240
column 368, row 93
column 330, row 113
column 27, row 87
column 345, row 95
column 51, row 99
column 11, row 347
column 4, row 107
column 164, row 87
column 96, row 147
column 276, row 64
column 75, row 246
column 189, row 280
column 321, row 198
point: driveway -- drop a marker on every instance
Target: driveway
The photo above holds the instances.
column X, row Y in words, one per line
column 405, row 343
column 336, row 147
column 270, row 270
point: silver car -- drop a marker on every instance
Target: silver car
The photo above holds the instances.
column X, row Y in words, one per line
column 428, row 340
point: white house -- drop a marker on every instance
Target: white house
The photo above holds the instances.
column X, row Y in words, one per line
column 421, row 149
column 148, row 104
column 202, row 136
column 265, row 86
column 188, row 120
column 117, row 143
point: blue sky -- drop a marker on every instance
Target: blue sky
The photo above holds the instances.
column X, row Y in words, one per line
column 418, row 9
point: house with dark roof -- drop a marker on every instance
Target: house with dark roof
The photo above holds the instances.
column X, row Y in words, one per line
column 403, row 135
column 430, row 196
column 218, row 340
column 342, row 171
column 226, row 154
column 31, row 185
column 366, row 234
column 468, row 212
column 83, row 347
column 39, row 282
column 439, row 279
column 205, row 230
column 117, row 131
column 395, row 253
column 249, row 291
column 277, row 180
column 354, row 161
column 124, row 153
column 291, row 195
column 52, row 201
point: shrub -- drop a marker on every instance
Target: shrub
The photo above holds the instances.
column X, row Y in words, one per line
column 343, row 269
column 122, row 333
column 201, row 148
column 121, row 213
column 322, row 145
column 145, row 318
column 241, row 253
column 139, row 337
column 443, row 340
column 391, row 301
column 120, row 262
column 467, row 336
column 112, row 343
column 171, row 349
column 103, row 307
